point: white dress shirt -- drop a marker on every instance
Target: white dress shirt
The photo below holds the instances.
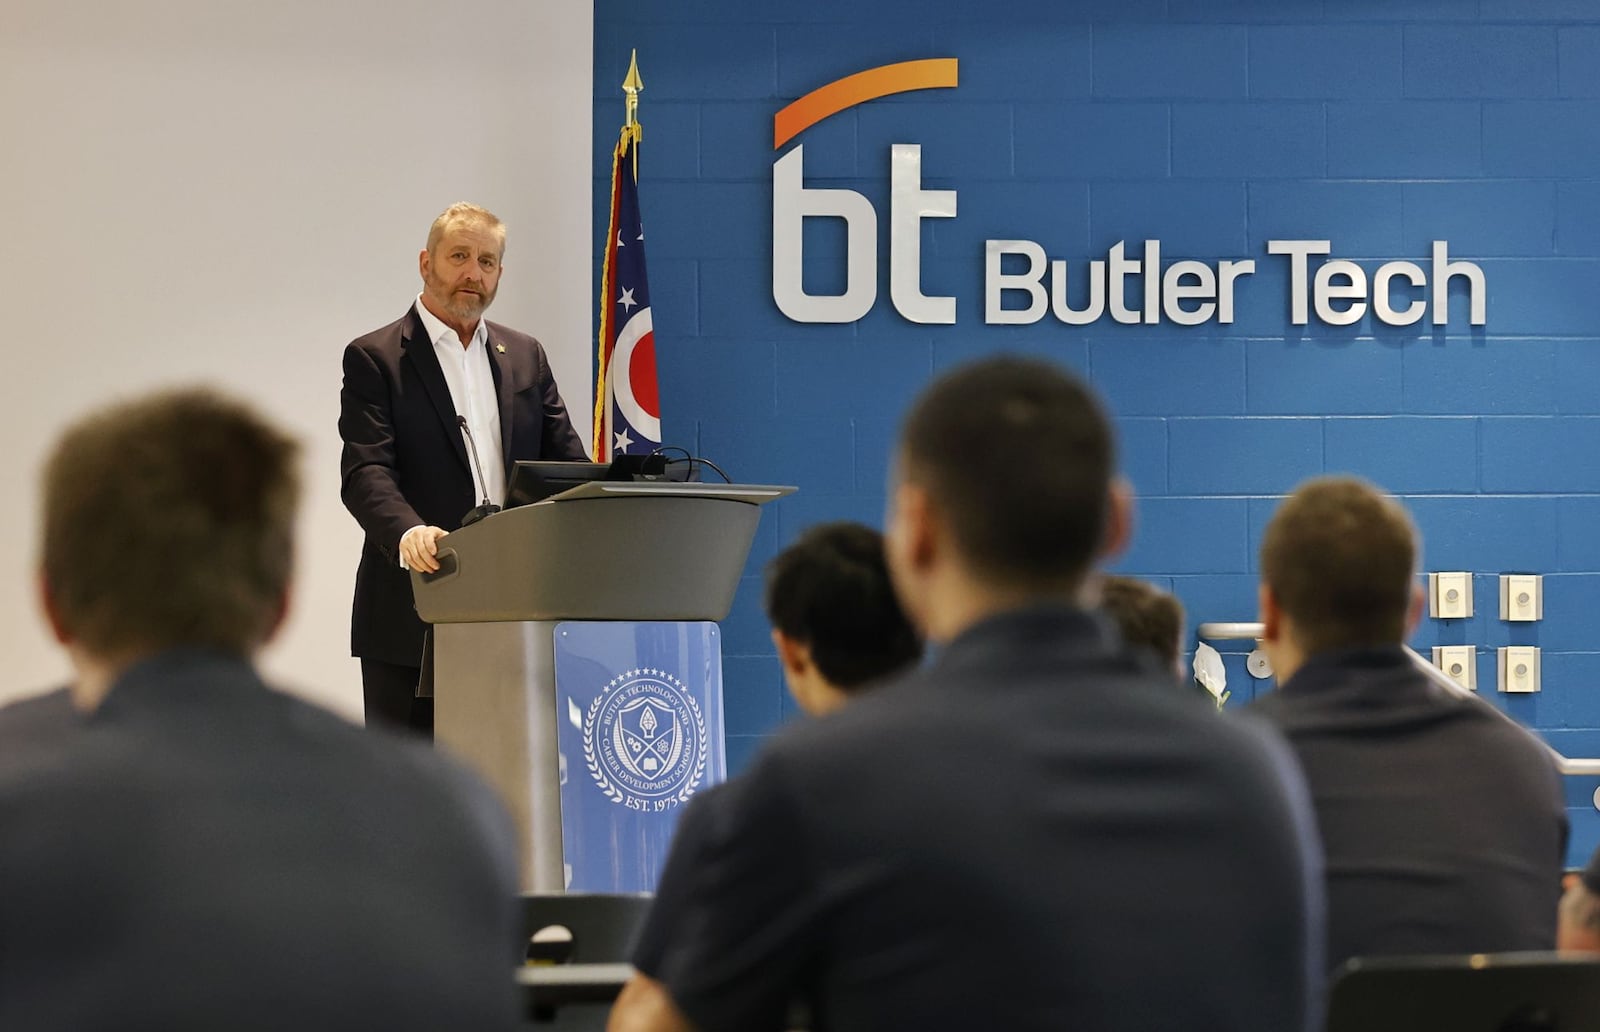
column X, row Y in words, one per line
column 471, row 383
column 466, row 373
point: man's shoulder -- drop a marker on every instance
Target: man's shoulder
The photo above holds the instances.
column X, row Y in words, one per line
column 514, row 340
column 385, row 338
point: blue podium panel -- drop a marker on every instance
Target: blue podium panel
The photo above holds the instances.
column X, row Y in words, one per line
column 640, row 717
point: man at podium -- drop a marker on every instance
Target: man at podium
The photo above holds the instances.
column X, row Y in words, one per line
column 435, row 407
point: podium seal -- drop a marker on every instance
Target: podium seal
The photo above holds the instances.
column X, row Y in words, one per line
column 645, row 742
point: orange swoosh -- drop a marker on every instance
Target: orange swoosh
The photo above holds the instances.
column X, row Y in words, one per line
column 859, row 88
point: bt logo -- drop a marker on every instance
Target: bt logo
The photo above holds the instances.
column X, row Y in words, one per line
column 793, row 202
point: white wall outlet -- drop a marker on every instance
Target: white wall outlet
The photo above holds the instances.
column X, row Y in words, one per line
column 1449, row 596
column 1521, row 597
column 1460, row 662
column 1519, row 668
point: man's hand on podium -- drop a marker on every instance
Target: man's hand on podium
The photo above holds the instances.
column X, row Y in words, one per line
column 419, row 549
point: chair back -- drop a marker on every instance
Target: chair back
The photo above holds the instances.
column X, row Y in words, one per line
column 582, row 928
column 1506, row 992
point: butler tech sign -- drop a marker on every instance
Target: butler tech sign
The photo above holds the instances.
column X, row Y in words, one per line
column 1023, row 285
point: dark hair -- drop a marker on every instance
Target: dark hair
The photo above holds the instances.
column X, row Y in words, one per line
column 1018, row 456
column 1147, row 616
column 830, row 590
column 1341, row 559
column 169, row 521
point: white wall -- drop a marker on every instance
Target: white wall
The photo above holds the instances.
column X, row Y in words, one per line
column 212, row 190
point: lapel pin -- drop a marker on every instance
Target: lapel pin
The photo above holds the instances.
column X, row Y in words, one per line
column 500, row 348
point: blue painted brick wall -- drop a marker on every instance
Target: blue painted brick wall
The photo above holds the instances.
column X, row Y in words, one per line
column 1213, row 125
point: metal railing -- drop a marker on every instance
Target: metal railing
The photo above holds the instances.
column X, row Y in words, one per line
column 1252, row 632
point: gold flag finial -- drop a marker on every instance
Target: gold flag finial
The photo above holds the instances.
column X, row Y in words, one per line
column 631, row 86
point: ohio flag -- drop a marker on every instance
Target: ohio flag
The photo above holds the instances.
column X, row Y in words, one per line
column 627, row 407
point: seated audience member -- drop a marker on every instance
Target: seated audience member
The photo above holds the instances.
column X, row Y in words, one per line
column 838, row 630
column 996, row 840
column 1578, row 924
column 1443, row 824
column 202, row 851
column 1147, row 617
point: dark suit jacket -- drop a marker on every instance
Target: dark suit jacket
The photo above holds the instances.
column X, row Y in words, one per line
column 405, row 462
column 1445, row 827
column 1030, row 833
column 203, row 852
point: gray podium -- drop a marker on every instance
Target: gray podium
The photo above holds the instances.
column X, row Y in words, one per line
column 639, row 551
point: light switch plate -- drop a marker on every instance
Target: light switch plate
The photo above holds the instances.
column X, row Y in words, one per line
column 1521, row 597
column 1460, row 662
column 1519, row 668
column 1449, row 596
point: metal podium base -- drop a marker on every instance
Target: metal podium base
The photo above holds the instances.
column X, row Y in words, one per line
column 495, row 708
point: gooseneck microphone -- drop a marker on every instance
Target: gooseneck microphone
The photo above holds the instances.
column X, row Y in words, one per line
column 486, row 507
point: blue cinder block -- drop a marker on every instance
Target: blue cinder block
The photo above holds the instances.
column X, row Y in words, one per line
column 674, row 301
column 1572, row 680
column 736, row 301
column 736, row 143
column 1480, row 219
column 1579, row 47
column 875, row 443
column 687, row 61
column 1218, row 598
column 1538, row 138
column 1169, row 61
column 1093, row 140
column 741, row 750
column 811, row 56
column 959, row 139
column 1054, row 214
column 883, row 378
column 1536, row 10
column 1541, row 455
column 745, row 631
column 1410, row 11
column 1494, row 61
column 1406, row 455
column 1244, row 11
column 807, row 509
column 1313, row 62
column 1142, row 449
column 1362, row 220
column 752, row 698
column 1486, row 532
column 1491, row 376
column 1258, row 139
column 719, row 379
column 706, row 219
column 1189, row 218
column 674, row 136
column 1555, row 298
column 1322, row 377
column 1578, row 534
column 1577, row 374
column 1404, row 138
column 1259, row 513
column 1199, row 377
column 815, row 454
column 1571, row 601
column 1187, row 535
column 1241, row 456
column 1041, row 340
column 1013, row 57
column 1578, row 219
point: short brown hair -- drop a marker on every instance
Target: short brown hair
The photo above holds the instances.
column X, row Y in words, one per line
column 1341, row 558
column 1147, row 616
column 168, row 521
column 461, row 211
column 1018, row 456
